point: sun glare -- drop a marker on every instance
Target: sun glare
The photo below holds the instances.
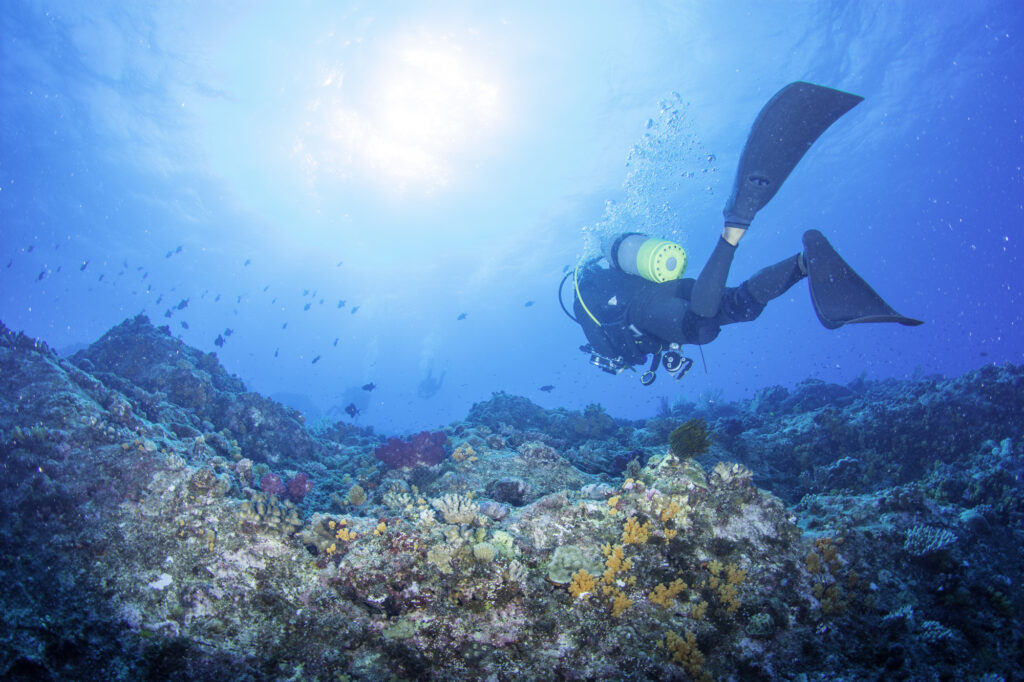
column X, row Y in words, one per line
column 426, row 119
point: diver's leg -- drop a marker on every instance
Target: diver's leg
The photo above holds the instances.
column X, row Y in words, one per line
column 747, row 301
column 707, row 292
column 774, row 280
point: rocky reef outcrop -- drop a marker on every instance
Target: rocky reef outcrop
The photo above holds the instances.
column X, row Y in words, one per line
column 868, row 531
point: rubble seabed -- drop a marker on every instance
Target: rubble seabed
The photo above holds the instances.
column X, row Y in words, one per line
column 867, row 531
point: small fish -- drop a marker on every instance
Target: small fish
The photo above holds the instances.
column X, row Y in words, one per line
column 31, row 248
column 369, row 387
column 41, row 276
column 85, row 264
column 547, row 388
column 138, row 269
column 352, row 410
column 265, row 288
column 182, row 304
column 228, row 332
column 335, row 342
column 284, row 326
column 238, row 300
column 158, row 298
column 216, row 298
column 246, row 263
column 354, row 309
column 168, row 314
column 528, row 304
column 461, row 316
column 307, row 306
column 59, row 267
column 341, row 303
column 145, row 274
column 276, row 351
column 178, row 250
column 219, row 341
column 316, row 360
column 184, row 324
column 339, row 264
column 305, row 292
column 321, row 301
column 169, row 254
column 101, row 278
column 11, row 262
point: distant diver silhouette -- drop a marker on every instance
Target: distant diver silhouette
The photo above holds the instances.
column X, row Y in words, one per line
column 639, row 304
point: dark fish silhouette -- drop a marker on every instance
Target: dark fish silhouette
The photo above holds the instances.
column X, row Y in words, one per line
column 31, row 248
column 101, row 278
column 276, row 351
column 306, row 307
column 182, row 304
column 528, row 304
column 178, row 250
column 369, row 387
column 169, row 254
column 352, row 410
column 41, row 275
column 85, row 264
column 247, row 261
column 336, row 341
column 354, row 309
column 341, row 303
column 547, row 388
column 216, row 298
column 158, row 298
column 11, row 262
column 145, row 274
column 219, row 341
column 184, row 324
column 59, row 267
column 316, row 360
column 229, row 331
column 461, row 316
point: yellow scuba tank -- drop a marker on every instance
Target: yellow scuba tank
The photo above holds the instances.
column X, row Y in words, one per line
column 656, row 260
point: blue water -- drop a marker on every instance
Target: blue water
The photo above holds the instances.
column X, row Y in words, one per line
column 427, row 160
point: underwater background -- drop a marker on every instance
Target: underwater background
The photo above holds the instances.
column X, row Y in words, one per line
column 287, row 391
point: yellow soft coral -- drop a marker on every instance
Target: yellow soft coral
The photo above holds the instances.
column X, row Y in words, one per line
column 615, row 563
column 635, row 534
column 685, row 652
column 620, row 604
column 663, row 595
column 582, row 584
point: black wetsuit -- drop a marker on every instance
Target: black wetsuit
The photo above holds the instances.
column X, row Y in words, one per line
column 638, row 317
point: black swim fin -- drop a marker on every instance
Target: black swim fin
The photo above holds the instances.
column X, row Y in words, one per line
column 782, row 133
column 838, row 293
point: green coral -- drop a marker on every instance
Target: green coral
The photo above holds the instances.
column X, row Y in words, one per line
column 690, row 440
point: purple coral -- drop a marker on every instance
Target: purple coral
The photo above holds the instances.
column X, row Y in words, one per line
column 271, row 484
column 426, row 448
column 298, row 487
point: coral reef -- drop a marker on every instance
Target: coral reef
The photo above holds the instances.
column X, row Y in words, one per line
column 161, row 522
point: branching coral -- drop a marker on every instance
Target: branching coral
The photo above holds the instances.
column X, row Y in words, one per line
column 458, row 509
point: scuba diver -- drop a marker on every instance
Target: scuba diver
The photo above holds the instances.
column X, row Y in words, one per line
column 639, row 304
